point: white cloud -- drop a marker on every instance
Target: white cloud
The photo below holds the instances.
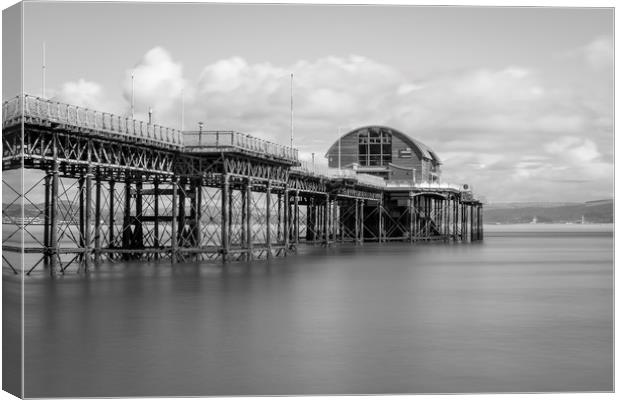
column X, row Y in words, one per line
column 573, row 149
column 599, row 53
column 508, row 131
column 83, row 93
column 158, row 83
column 407, row 88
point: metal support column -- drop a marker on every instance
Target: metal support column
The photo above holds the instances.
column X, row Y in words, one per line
column 287, row 216
column 268, row 218
column 244, row 215
column 411, row 220
column 309, row 219
column 357, row 221
column 138, row 234
column 444, row 218
column 481, row 223
column 326, row 220
column 279, row 219
column 97, row 219
column 248, row 220
column 380, row 205
column 174, row 242
column 81, row 205
column 197, row 212
column 471, row 222
column 315, row 220
column 447, row 212
column 47, row 219
column 156, row 216
column 230, row 213
column 456, row 219
column 182, row 220
column 111, row 220
column 414, row 208
column 54, row 253
column 87, row 219
column 296, row 228
column 127, row 218
column 362, row 224
column 224, row 233
column 341, row 215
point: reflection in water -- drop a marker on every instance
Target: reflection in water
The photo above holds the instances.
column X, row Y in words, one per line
column 527, row 312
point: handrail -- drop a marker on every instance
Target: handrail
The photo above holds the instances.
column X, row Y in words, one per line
column 425, row 185
column 311, row 169
column 205, row 139
column 82, row 117
column 372, row 180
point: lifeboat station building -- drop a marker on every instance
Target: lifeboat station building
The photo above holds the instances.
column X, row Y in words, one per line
column 416, row 204
column 385, row 152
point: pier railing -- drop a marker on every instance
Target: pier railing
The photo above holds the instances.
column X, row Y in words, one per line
column 197, row 140
column 308, row 168
column 107, row 124
column 84, row 118
column 371, row 180
column 425, row 185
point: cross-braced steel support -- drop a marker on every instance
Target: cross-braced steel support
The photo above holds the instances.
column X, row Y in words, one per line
column 116, row 198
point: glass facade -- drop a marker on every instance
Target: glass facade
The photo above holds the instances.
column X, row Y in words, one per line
column 375, row 147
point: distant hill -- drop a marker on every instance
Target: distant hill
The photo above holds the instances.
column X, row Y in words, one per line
column 31, row 211
column 504, row 206
column 599, row 211
column 14, row 210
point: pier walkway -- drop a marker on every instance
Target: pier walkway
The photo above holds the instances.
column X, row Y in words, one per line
column 117, row 188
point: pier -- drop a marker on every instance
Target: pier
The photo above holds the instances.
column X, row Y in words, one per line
column 113, row 188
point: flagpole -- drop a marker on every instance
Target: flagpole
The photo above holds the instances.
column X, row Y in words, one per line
column 43, row 72
column 291, row 109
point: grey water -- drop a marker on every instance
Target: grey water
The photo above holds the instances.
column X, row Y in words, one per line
column 523, row 311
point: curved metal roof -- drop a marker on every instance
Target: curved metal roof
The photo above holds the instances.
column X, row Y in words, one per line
column 420, row 148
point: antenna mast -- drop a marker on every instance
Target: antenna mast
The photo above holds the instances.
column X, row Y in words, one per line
column 43, row 73
column 291, row 109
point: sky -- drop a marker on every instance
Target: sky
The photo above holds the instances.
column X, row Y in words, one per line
column 517, row 102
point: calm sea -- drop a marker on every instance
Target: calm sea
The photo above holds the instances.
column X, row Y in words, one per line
column 527, row 310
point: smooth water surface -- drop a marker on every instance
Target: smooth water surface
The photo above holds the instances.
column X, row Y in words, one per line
column 521, row 312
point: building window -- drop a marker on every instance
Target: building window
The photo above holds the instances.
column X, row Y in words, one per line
column 405, row 153
column 375, row 147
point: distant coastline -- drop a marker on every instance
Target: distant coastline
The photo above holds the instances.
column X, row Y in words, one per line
column 606, row 228
column 591, row 212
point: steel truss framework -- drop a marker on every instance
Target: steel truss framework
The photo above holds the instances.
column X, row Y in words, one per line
column 99, row 199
